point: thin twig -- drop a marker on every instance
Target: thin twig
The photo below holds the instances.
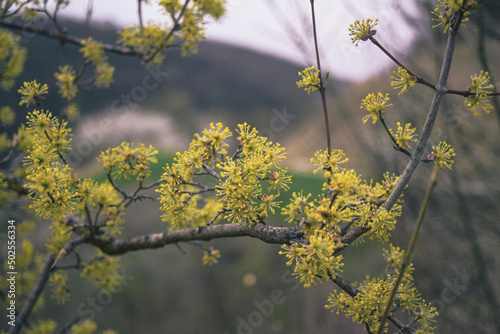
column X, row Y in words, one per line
column 211, row 172
column 89, row 219
column 388, row 54
column 139, row 13
column 411, row 247
column 216, row 216
column 321, row 84
column 464, row 93
column 396, row 145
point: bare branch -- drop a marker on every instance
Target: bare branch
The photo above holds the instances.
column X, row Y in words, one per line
column 268, row 234
column 344, row 284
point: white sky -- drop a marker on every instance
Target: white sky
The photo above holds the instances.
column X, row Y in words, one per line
column 262, row 25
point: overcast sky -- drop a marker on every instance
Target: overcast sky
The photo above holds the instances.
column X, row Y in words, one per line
column 279, row 27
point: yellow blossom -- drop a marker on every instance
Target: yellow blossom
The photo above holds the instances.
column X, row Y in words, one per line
column 375, row 106
column 310, row 79
column 403, row 80
column 362, row 30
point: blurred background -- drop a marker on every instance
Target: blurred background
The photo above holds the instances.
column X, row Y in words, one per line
column 246, row 72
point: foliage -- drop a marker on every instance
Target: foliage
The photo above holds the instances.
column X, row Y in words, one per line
column 213, row 191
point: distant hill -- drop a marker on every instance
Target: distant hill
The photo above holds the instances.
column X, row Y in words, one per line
column 226, row 82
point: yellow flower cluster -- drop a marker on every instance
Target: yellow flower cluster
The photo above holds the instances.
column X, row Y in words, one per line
column 50, row 182
column 93, row 53
column 127, row 160
column 187, row 24
column 310, row 79
column 368, row 306
column 147, row 41
column 104, row 271
column 403, row 80
column 71, row 112
column 362, row 30
column 241, row 187
column 404, row 136
column 329, row 161
column 348, row 200
column 85, row 327
column 47, row 326
column 375, row 106
column 58, row 283
column 314, row 261
column 238, row 180
column 443, row 154
column 66, row 81
column 445, row 12
column 7, row 116
column 210, row 256
column 4, row 142
column 480, row 98
column 31, row 93
column 55, row 191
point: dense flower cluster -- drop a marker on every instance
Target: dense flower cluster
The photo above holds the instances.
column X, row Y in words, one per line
column 314, row 261
column 238, row 180
column 127, row 160
column 347, row 201
column 372, row 296
column 50, row 181
column 187, row 24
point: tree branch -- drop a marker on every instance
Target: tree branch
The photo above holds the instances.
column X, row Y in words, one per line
column 268, row 234
column 43, row 277
column 429, row 122
column 54, row 34
column 353, row 291
column 350, row 237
